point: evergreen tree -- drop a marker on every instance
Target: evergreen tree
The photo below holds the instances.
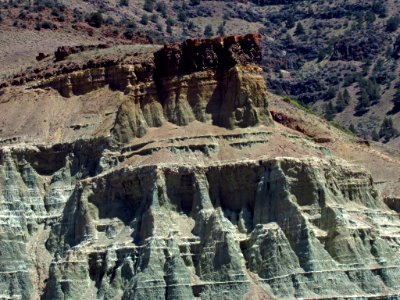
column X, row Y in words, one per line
column 208, row 31
column 221, row 29
column 288, row 40
column 330, row 111
column 299, row 29
column 346, row 97
column 340, row 103
column 330, row 93
column 375, row 135
column 387, row 131
column 352, row 129
column 396, row 101
column 290, row 22
column 363, row 103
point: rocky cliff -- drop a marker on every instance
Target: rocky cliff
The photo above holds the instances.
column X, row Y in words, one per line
column 178, row 185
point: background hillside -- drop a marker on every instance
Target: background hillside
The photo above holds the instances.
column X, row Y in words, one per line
column 338, row 57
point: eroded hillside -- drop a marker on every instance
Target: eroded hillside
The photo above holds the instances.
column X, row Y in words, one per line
column 172, row 173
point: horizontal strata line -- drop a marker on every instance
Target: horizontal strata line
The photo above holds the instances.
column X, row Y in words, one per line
column 198, row 284
column 329, row 271
column 13, row 272
column 228, row 136
column 214, row 164
column 368, row 296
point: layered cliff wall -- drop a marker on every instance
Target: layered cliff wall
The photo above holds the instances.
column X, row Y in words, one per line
column 167, row 179
column 290, row 227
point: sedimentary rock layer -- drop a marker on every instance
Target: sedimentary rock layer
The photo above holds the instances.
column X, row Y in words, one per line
column 293, row 227
column 235, row 98
column 205, row 54
column 175, row 187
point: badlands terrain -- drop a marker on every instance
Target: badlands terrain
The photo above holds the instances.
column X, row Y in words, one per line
column 172, row 172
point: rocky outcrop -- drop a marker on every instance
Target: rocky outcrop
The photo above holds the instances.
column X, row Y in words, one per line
column 235, row 98
column 208, row 54
column 360, row 48
column 116, row 76
column 212, row 81
column 62, row 52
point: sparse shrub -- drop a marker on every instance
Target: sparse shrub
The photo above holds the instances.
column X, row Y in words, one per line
column 22, row 14
column 123, row 2
column 77, row 14
column 154, row 36
column 161, row 7
column 130, row 24
column 149, row 5
column 369, row 17
column 170, row 21
column 95, row 19
column 46, row 25
column 38, row 26
column 55, row 12
column 145, row 19
column 191, row 25
column 115, row 32
column 109, row 21
column 392, row 24
column 129, row 34
column 182, row 16
column 379, row 8
column 194, row 2
column 154, row 18
column 204, row 11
